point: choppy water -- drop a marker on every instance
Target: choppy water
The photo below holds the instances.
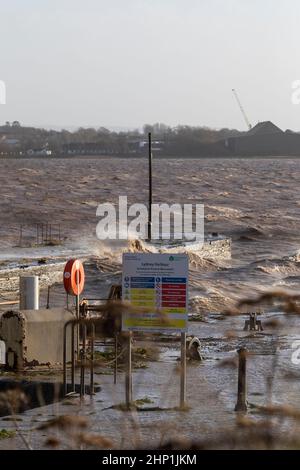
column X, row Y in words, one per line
column 255, row 201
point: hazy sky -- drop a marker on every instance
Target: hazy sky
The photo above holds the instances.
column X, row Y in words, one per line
column 130, row 62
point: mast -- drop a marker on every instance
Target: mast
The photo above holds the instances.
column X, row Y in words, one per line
column 150, row 187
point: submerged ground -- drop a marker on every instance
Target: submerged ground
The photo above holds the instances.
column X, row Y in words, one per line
column 254, row 201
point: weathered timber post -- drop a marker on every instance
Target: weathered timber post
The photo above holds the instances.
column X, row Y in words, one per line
column 183, row 372
column 241, row 404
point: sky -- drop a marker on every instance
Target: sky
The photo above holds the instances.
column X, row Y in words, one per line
column 124, row 63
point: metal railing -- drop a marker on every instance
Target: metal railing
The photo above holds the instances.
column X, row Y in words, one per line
column 84, row 323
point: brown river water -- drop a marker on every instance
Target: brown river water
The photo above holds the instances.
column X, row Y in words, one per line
column 254, row 201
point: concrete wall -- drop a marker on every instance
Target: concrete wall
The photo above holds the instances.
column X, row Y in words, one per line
column 214, row 248
column 35, row 337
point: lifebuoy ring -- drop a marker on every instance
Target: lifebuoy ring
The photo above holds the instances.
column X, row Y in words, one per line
column 74, row 277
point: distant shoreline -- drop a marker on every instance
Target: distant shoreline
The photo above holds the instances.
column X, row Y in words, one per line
column 142, row 157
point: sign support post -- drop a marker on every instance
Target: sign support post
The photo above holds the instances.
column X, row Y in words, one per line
column 157, row 283
column 116, row 359
column 128, row 378
column 183, row 372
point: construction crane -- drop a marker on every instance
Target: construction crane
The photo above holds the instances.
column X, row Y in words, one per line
column 242, row 109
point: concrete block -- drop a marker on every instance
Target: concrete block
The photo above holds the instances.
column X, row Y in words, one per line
column 214, row 247
column 34, row 337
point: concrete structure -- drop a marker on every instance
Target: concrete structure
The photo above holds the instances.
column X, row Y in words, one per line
column 34, row 337
column 265, row 139
column 215, row 246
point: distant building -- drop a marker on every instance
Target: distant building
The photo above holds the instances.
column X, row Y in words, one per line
column 265, row 139
column 139, row 146
column 39, row 152
column 9, row 141
column 9, row 145
column 88, row 148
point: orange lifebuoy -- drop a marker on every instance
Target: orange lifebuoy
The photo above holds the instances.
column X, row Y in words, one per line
column 74, row 277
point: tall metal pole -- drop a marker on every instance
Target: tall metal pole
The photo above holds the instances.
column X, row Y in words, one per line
column 150, row 187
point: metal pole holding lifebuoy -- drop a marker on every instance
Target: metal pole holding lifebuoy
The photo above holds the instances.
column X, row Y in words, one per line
column 77, row 314
column 74, row 278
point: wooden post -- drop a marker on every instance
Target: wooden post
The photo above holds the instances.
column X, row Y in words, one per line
column 128, row 378
column 21, row 236
column 48, row 298
column 183, row 372
column 241, row 404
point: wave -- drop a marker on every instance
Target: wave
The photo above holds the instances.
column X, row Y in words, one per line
column 248, row 234
column 279, row 266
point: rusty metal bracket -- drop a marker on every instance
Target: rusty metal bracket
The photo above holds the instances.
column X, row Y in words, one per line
column 253, row 324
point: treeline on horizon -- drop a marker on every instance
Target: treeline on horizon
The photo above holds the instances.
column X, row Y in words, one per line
column 180, row 140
